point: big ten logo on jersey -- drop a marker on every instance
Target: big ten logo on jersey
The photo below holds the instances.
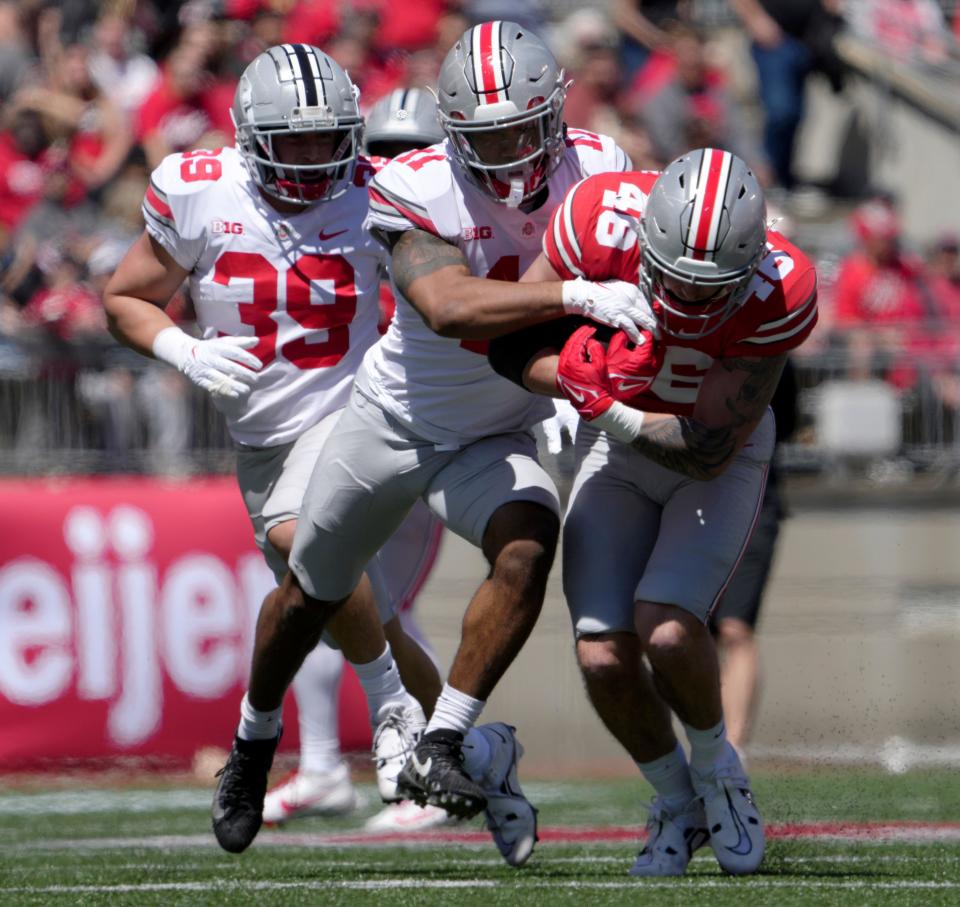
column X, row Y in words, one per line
column 226, row 226
column 321, row 298
column 471, row 233
column 107, row 624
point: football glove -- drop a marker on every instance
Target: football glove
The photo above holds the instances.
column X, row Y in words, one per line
column 632, row 366
column 582, row 374
column 219, row 365
column 614, row 302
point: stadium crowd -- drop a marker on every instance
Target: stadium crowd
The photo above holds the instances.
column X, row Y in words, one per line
column 94, row 94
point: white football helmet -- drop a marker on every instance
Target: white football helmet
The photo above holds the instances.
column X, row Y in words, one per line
column 402, row 120
column 293, row 89
column 702, row 234
column 501, row 93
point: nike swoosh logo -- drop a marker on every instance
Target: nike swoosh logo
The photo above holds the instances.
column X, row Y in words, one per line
column 629, row 384
column 421, row 768
column 577, row 391
column 323, row 235
column 744, row 845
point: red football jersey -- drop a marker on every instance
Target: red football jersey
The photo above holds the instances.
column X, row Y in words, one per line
column 591, row 235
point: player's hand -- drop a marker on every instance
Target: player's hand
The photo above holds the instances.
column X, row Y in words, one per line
column 614, row 302
column 563, row 422
column 582, row 374
column 632, row 366
column 219, row 365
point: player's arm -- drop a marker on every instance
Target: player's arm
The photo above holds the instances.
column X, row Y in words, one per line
column 733, row 399
column 528, row 357
column 144, row 282
column 435, row 277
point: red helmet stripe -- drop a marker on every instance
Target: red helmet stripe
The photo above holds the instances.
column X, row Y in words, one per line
column 710, row 192
column 487, row 63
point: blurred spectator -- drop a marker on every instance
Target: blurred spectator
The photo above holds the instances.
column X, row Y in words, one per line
column 175, row 116
column 22, row 146
column 15, row 56
column 66, row 308
column 403, row 26
column 641, row 26
column 528, row 13
column 789, row 40
column 943, row 276
column 79, row 118
column 120, row 73
column 590, row 52
column 907, row 29
column 355, row 48
column 685, row 104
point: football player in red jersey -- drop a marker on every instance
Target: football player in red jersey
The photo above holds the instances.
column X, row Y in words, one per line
column 672, row 458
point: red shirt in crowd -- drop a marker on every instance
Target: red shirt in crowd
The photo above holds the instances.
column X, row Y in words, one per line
column 867, row 293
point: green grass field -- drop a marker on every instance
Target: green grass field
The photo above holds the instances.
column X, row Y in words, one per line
column 85, row 845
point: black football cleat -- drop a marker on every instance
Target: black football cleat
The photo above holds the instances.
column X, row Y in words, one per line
column 434, row 775
column 238, row 800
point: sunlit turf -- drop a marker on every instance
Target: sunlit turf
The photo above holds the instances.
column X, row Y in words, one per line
column 50, row 852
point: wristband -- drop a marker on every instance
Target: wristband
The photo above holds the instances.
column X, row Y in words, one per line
column 172, row 345
column 622, row 421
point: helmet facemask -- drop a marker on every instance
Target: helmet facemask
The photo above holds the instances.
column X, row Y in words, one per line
column 712, row 296
column 300, row 183
column 509, row 153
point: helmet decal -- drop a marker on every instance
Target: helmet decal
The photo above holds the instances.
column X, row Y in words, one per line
column 709, row 193
column 487, row 53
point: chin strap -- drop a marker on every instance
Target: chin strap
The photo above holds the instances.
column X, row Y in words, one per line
column 515, row 197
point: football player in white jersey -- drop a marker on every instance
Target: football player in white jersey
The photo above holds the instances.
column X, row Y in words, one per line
column 430, row 420
column 401, row 121
column 285, row 280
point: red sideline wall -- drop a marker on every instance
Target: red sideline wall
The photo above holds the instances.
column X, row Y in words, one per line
column 127, row 608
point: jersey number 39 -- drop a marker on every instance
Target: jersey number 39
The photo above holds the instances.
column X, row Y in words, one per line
column 259, row 312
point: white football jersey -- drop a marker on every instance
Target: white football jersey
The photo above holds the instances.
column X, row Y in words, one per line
column 305, row 284
column 444, row 389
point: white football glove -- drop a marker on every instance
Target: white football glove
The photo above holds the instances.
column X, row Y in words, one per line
column 219, row 365
column 613, row 302
column 565, row 421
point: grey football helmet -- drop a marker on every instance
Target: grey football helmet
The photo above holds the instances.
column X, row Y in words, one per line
column 292, row 89
column 501, row 94
column 402, row 120
column 702, row 234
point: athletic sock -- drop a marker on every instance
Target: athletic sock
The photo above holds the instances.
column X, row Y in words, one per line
column 707, row 747
column 316, row 688
column 454, row 711
column 477, row 753
column 257, row 725
column 381, row 682
column 669, row 776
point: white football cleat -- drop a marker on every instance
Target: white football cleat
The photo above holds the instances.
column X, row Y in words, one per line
column 733, row 821
column 398, row 728
column 510, row 817
column 672, row 839
column 311, row 794
column 407, row 816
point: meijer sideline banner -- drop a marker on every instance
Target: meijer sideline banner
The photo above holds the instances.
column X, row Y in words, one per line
column 127, row 608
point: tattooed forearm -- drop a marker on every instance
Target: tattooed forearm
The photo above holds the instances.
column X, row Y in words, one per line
column 756, row 390
column 693, row 448
column 687, row 446
column 418, row 253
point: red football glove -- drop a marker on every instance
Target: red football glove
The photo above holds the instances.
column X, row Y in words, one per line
column 582, row 374
column 632, row 367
